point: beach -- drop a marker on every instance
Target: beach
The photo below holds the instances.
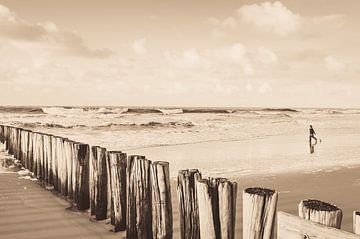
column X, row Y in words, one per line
column 268, row 149
column 28, row 209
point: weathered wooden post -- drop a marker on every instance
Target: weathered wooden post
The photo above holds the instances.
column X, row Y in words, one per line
column 259, row 209
column 24, row 147
column 161, row 201
column 47, row 159
column 320, row 212
column 98, row 202
column 227, row 192
column 356, row 222
column 82, row 181
column 188, row 203
column 55, row 162
column 117, row 161
column 217, row 206
column 2, row 134
column 62, row 150
column 138, row 190
column 208, row 210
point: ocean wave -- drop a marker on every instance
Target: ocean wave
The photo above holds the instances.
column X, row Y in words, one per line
column 151, row 124
column 280, row 110
column 83, row 110
column 207, row 110
column 21, row 110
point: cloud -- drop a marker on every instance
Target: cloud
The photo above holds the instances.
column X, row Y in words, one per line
column 266, row 56
column 139, row 46
column 264, row 88
column 333, row 64
column 189, row 58
column 271, row 16
column 229, row 22
column 47, row 34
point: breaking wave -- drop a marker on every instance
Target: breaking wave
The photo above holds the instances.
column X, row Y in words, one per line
column 151, row 124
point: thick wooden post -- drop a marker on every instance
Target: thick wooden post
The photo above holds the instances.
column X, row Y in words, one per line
column 188, row 204
column 356, row 222
column 259, row 209
column 117, row 162
column 227, row 192
column 98, row 202
column 208, row 213
column 217, row 206
column 320, row 212
column 138, row 213
column 82, row 181
column 47, row 158
column 55, row 162
column 2, row 134
column 161, row 201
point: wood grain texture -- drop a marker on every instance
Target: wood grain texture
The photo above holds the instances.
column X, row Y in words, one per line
column 259, row 208
column 321, row 212
column 356, row 222
column 162, row 218
column 294, row 227
column 117, row 161
column 188, row 203
column 139, row 207
column 227, row 192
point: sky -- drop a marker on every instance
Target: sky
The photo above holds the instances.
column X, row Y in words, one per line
column 234, row 53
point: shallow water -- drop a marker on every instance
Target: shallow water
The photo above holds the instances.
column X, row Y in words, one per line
column 244, row 142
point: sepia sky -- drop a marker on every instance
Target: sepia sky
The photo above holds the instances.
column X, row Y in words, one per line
column 287, row 53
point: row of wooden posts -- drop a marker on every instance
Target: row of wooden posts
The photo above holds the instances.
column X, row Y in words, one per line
column 134, row 193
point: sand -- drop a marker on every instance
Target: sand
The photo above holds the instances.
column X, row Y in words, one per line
column 29, row 211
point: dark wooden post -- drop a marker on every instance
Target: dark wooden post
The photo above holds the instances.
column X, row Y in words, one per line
column 82, row 182
column 138, row 214
column 98, row 202
column 117, row 161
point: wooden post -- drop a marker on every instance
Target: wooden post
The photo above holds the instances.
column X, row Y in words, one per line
column 217, row 206
column 2, row 134
column 161, row 201
column 55, row 162
column 320, row 212
column 117, row 161
column 99, row 183
column 92, row 178
column 208, row 210
column 138, row 190
column 48, row 159
column 259, row 208
column 356, row 222
column 227, row 192
column 188, row 204
column 82, row 182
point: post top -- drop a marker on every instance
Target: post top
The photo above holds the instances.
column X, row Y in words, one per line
column 260, row 191
column 319, row 205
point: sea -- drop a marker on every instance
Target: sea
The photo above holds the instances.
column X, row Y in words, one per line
column 220, row 142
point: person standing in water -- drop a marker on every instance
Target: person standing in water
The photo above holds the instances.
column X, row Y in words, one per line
column 312, row 133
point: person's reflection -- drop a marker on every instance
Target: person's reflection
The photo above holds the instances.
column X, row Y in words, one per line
column 312, row 146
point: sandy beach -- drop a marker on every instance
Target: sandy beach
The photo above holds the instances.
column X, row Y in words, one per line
column 27, row 208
